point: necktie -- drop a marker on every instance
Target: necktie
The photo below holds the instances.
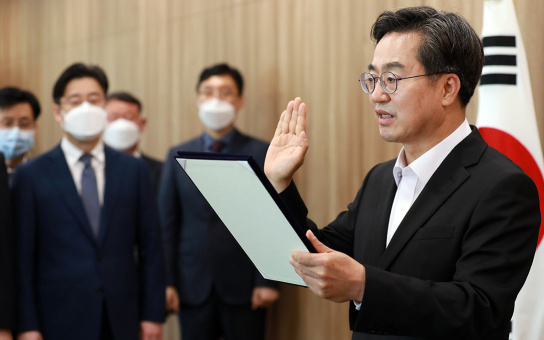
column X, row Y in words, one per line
column 89, row 193
column 217, row 146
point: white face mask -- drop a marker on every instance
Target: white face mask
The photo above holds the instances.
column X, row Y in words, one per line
column 15, row 142
column 121, row 134
column 216, row 114
column 85, row 122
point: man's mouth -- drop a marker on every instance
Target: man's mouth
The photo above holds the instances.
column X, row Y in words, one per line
column 383, row 114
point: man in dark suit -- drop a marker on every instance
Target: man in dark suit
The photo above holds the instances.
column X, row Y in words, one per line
column 7, row 259
column 19, row 111
column 221, row 293
column 82, row 212
column 437, row 243
column 124, row 135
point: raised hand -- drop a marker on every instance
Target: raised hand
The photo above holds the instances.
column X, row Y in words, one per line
column 288, row 147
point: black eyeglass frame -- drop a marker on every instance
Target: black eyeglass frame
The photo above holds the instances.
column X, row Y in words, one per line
column 367, row 91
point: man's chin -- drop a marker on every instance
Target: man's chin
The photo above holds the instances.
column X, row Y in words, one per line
column 387, row 135
column 83, row 138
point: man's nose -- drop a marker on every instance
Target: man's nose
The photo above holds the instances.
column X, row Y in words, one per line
column 379, row 95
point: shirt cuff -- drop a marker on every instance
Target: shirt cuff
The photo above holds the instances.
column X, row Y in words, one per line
column 357, row 305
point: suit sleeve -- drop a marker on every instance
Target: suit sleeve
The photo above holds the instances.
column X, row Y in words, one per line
column 26, row 231
column 260, row 154
column 170, row 216
column 7, row 255
column 339, row 234
column 150, row 252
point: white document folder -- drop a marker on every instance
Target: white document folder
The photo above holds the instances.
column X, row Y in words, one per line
column 245, row 201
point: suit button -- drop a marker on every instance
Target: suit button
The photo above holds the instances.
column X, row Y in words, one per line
column 100, row 290
column 100, row 257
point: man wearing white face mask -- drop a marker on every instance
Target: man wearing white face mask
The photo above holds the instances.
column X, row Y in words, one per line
column 19, row 111
column 80, row 212
column 218, row 291
column 125, row 126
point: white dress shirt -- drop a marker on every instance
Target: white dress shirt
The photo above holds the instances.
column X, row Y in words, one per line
column 411, row 179
column 73, row 154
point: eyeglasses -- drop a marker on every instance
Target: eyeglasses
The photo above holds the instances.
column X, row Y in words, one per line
column 388, row 80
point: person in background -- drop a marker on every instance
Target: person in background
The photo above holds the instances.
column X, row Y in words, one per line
column 439, row 241
column 125, row 126
column 7, row 259
column 81, row 211
column 19, row 110
column 217, row 289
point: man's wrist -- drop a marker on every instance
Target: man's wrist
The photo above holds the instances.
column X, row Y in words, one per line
column 361, row 292
column 280, row 185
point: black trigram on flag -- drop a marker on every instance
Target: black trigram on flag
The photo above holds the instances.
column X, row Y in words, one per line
column 498, row 61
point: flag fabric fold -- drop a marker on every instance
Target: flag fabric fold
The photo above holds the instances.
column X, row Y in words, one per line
column 507, row 121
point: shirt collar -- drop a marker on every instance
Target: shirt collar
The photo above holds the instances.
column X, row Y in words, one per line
column 425, row 165
column 227, row 139
column 73, row 153
column 11, row 170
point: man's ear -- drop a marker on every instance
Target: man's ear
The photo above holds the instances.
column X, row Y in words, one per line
column 451, row 87
column 56, row 112
column 142, row 124
column 239, row 103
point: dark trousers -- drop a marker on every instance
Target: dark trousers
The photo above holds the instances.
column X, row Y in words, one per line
column 216, row 320
column 106, row 332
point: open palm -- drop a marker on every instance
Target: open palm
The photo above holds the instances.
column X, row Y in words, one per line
column 288, row 147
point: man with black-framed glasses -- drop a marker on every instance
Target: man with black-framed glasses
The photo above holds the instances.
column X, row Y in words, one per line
column 438, row 242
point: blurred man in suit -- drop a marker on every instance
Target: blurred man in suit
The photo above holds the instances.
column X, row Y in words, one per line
column 438, row 242
column 81, row 210
column 221, row 293
column 19, row 110
column 7, row 259
column 125, row 126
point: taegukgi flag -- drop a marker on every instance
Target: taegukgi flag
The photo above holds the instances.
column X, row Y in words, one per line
column 507, row 121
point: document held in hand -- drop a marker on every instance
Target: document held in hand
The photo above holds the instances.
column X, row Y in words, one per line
column 245, row 201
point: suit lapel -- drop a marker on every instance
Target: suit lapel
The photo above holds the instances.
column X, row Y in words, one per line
column 62, row 179
column 373, row 237
column 199, row 145
column 447, row 178
column 238, row 141
column 112, row 185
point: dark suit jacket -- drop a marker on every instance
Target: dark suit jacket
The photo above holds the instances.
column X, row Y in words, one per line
column 7, row 254
column 66, row 273
column 200, row 251
column 458, row 259
column 154, row 168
